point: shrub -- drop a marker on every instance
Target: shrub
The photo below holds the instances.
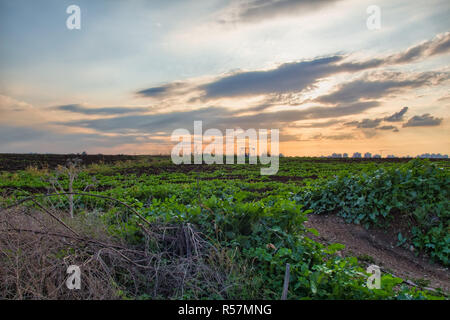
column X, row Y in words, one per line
column 416, row 192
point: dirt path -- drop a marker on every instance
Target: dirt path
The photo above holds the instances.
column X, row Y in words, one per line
column 379, row 247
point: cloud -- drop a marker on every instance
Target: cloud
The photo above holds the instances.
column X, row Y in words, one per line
column 281, row 85
column 324, row 124
column 438, row 45
column 8, row 104
column 284, row 137
column 76, row 108
column 416, row 121
column 344, row 136
column 288, row 77
column 369, row 132
column 163, row 90
column 168, row 121
column 396, row 117
column 258, row 10
column 444, row 98
column 425, row 120
column 11, row 134
column 215, row 117
column 155, row 91
column 362, row 89
column 284, row 117
column 394, row 128
column 365, row 123
column 30, row 139
column 297, row 76
column 374, row 123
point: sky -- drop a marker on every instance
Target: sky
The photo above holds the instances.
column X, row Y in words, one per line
column 137, row 70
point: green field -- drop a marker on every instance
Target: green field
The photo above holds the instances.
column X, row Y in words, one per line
column 225, row 231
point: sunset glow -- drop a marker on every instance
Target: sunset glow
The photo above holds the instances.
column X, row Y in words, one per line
column 136, row 71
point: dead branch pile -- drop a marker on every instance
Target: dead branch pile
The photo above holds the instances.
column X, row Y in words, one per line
column 37, row 245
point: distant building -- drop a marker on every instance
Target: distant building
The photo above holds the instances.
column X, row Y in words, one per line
column 433, row 156
column 336, row 155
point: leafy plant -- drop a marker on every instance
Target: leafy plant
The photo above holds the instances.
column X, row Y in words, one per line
column 417, row 193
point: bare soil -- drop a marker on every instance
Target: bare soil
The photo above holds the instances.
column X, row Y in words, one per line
column 16, row 161
column 380, row 247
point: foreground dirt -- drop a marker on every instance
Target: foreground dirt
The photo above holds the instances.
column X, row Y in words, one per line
column 379, row 247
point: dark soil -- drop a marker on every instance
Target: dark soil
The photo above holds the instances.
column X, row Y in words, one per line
column 14, row 162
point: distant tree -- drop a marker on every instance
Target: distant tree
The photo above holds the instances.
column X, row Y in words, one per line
column 345, row 155
column 377, row 156
column 367, row 155
column 356, row 155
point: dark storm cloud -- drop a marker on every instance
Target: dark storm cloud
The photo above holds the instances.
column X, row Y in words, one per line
column 76, row 108
column 425, row 120
column 258, row 10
